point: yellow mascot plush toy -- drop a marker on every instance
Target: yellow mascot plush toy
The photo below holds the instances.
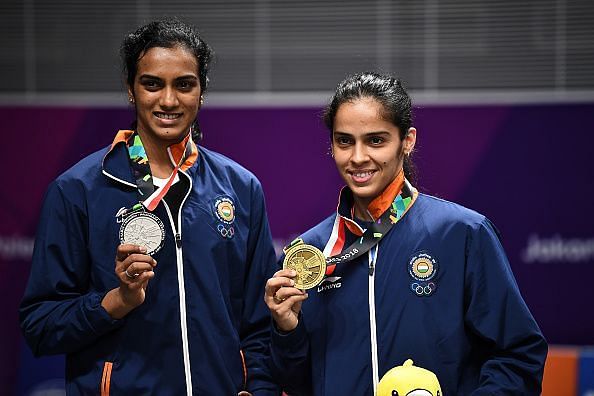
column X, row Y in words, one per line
column 409, row 380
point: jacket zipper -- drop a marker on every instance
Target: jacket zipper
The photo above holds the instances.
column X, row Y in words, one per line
column 372, row 323
column 181, row 287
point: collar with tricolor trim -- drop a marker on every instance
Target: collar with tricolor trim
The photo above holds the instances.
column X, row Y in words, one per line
column 376, row 207
column 402, row 195
column 176, row 150
column 117, row 166
column 182, row 155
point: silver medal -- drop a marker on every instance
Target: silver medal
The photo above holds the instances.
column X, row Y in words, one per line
column 143, row 229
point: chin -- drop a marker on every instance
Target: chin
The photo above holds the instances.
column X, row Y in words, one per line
column 363, row 192
column 173, row 135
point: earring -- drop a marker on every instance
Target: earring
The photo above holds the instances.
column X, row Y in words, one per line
column 201, row 100
column 131, row 99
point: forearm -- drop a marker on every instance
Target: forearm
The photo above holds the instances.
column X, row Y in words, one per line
column 58, row 327
column 291, row 361
column 515, row 371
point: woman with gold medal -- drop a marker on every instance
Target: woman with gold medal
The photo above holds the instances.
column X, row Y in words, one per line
column 408, row 276
column 180, row 311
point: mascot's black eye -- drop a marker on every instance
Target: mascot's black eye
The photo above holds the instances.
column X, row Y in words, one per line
column 394, row 393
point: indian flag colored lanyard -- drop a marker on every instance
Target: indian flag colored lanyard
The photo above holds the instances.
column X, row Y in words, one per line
column 334, row 252
column 138, row 225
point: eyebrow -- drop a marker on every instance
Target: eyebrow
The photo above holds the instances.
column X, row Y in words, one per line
column 370, row 133
column 151, row 77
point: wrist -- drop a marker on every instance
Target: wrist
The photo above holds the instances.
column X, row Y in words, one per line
column 115, row 305
column 284, row 330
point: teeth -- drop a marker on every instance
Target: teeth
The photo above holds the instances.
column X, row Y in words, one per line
column 363, row 174
column 167, row 116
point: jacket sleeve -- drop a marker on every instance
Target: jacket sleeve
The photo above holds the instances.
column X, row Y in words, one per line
column 58, row 314
column 291, row 360
column 495, row 311
column 255, row 329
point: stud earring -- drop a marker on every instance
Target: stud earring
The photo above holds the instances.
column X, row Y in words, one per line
column 131, row 99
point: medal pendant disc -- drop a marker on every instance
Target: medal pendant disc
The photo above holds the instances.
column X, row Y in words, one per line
column 309, row 263
column 143, row 229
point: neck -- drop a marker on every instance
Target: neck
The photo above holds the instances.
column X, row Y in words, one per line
column 370, row 209
column 158, row 157
column 360, row 209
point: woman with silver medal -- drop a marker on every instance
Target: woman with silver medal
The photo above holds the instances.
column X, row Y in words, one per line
column 408, row 277
column 181, row 311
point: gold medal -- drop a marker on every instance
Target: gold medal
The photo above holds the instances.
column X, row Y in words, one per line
column 308, row 261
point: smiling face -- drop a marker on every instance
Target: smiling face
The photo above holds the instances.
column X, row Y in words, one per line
column 166, row 93
column 367, row 148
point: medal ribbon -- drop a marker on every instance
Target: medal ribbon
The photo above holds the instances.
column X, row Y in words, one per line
column 372, row 235
column 182, row 155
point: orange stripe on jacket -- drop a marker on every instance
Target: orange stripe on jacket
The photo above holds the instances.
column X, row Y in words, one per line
column 244, row 369
column 106, row 378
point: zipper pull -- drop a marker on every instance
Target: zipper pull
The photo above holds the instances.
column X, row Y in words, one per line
column 372, row 258
column 178, row 241
column 371, row 268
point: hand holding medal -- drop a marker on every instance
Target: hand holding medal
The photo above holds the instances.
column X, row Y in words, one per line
column 134, row 268
column 307, row 261
column 284, row 299
column 304, row 267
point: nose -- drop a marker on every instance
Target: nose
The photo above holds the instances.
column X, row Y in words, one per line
column 168, row 98
column 359, row 154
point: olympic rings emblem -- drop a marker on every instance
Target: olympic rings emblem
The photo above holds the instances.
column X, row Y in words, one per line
column 423, row 290
column 226, row 232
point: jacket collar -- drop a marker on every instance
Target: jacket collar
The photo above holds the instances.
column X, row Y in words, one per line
column 379, row 205
column 116, row 163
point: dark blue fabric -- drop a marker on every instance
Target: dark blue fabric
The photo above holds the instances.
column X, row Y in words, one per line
column 474, row 331
column 73, row 268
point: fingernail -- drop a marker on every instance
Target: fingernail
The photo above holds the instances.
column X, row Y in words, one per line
column 292, row 282
column 293, row 273
column 154, row 262
column 142, row 249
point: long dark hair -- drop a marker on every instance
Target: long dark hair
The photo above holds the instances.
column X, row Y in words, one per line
column 389, row 92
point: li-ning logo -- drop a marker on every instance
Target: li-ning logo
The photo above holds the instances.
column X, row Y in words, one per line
column 330, row 282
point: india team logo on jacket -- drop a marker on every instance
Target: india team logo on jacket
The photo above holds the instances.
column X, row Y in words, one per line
column 224, row 210
column 422, row 268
